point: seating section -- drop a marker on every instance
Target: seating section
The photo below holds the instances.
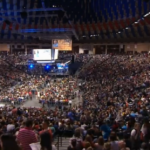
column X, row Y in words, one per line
column 92, row 19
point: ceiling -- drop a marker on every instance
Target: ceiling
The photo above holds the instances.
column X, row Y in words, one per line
column 81, row 20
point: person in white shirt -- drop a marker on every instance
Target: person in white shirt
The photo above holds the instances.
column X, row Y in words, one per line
column 44, row 144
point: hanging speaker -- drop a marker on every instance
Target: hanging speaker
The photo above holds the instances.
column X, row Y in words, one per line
column 60, row 13
column 7, row 22
column 24, row 15
column 72, row 61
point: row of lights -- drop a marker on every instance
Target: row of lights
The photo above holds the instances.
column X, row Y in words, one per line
column 136, row 22
column 91, row 35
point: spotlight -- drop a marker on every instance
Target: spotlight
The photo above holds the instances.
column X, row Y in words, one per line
column 31, row 66
column 47, row 67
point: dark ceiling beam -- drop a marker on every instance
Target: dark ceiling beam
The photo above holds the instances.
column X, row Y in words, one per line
column 31, row 16
column 31, row 10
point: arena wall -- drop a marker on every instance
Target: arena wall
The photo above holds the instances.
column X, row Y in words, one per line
column 4, row 47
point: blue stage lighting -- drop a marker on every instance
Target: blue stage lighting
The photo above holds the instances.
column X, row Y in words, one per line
column 31, row 66
column 66, row 66
column 47, row 67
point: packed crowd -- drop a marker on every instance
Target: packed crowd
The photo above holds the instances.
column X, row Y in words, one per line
column 114, row 114
column 116, row 97
column 48, row 91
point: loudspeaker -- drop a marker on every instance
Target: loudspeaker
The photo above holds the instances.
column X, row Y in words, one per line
column 24, row 15
column 7, row 22
column 65, row 19
column 60, row 14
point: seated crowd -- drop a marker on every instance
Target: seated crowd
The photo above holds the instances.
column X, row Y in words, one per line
column 114, row 114
column 17, row 86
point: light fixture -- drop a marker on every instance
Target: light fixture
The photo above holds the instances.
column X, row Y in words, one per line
column 147, row 14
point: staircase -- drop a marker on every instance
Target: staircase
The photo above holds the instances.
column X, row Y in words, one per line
column 62, row 143
column 83, row 67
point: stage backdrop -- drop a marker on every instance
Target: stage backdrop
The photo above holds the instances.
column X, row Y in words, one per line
column 62, row 44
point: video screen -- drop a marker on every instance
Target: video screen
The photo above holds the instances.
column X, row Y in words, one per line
column 42, row 54
column 64, row 44
column 60, row 66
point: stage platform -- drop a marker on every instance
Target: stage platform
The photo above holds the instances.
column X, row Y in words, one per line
column 59, row 75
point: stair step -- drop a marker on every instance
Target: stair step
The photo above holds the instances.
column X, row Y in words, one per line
column 65, row 143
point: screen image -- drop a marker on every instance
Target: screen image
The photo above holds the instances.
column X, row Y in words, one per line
column 42, row 54
column 64, row 44
column 62, row 66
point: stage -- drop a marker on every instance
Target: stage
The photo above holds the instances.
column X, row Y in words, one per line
column 58, row 75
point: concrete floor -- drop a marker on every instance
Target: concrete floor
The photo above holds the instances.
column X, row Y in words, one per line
column 32, row 103
column 35, row 103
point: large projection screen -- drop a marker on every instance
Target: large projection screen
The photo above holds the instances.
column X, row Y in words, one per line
column 62, row 44
column 42, row 54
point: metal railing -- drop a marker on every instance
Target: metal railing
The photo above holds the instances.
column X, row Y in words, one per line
column 64, row 134
column 59, row 142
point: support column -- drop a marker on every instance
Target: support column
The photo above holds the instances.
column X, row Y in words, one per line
column 106, row 50
column 10, row 49
column 25, row 49
column 134, row 49
column 91, row 49
column 120, row 47
column 94, row 50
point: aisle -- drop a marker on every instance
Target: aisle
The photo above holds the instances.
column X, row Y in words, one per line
column 32, row 103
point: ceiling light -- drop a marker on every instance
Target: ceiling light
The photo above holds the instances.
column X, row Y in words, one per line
column 135, row 22
column 147, row 14
column 127, row 28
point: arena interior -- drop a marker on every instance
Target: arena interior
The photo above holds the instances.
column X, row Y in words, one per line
column 74, row 74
